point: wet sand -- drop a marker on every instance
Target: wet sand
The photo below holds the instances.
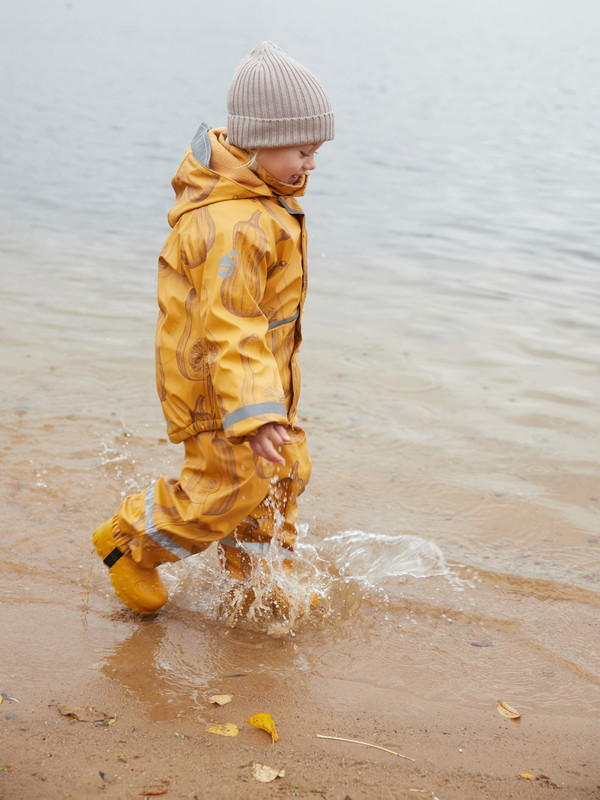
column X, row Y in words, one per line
column 407, row 673
column 458, row 752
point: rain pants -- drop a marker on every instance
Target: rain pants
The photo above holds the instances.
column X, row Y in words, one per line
column 231, row 287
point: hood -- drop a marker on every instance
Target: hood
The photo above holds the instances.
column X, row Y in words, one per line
column 214, row 170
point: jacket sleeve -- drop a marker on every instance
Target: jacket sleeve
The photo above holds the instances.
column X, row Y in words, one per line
column 245, row 377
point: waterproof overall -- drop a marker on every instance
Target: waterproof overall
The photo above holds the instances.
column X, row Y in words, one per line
column 231, row 288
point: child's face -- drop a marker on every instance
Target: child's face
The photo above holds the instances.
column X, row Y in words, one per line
column 288, row 164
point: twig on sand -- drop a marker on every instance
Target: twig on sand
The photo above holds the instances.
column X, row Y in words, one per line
column 366, row 744
column 305, row 789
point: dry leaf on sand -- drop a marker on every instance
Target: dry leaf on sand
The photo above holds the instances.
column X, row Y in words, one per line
column 266, row 774
column 265, row 723
column 221, row 699
column 506, row 711
column 227, row 729
column 86, row 714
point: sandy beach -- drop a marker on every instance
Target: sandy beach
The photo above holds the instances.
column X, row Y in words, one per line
column 450, row 395
column 68, row 644
column 458, row 753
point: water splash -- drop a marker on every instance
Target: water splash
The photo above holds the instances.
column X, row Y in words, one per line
column 325, row 581
column 272, row 599
column 380, row 563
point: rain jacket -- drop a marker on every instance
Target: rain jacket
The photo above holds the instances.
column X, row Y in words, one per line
column 231, row 288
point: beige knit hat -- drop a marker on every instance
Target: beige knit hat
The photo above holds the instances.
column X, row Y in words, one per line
column 273, row 101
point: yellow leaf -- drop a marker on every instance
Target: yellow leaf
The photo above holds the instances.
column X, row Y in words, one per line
column 265, row 723
column 266, row 774
column 507, row 711
column 528, row 776
column 227, row 729
column 221, row 699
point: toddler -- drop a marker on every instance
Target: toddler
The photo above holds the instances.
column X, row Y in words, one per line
column 231, row 288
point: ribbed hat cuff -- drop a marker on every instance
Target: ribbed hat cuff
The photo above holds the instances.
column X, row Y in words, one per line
column 250, row 132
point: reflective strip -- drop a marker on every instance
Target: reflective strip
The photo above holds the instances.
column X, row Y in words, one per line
column 259, row 548
column 287, row 208
column 201, row 145
column 151, row 531
column 254, row 410
column 279, row 322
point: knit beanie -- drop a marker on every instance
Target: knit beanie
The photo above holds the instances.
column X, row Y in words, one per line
column 273, row 101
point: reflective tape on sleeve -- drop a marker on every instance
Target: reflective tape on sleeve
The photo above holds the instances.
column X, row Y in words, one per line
column 254, row 410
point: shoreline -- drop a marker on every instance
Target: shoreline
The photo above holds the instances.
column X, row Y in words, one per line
column 458, row 753
column 154, row 737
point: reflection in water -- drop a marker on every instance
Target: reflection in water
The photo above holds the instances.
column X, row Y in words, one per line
column 172, row 665
column 168, row 674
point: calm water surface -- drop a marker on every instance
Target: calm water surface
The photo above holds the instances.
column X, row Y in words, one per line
column 452, row 338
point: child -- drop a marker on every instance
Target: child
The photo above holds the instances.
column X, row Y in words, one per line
column 231, row 287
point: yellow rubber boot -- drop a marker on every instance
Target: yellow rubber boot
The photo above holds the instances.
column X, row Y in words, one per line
column 140, row 589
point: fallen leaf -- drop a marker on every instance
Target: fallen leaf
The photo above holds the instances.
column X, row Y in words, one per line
column 82, row 714
column 265, row 723
column 221, row 699
column 153, row 792
column 528, row 776
column 226, row 729
column 507, row 711
column 266, row 774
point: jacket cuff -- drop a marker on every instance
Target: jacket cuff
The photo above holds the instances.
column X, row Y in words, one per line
column 248, row 419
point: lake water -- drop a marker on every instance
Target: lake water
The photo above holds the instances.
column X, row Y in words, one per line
column 452, row 338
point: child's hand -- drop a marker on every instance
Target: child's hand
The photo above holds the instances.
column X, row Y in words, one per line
column 266, row 439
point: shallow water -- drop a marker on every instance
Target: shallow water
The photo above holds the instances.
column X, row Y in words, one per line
column 450, row 364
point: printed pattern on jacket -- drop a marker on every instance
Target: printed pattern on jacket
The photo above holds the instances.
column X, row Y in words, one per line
column 231, row 290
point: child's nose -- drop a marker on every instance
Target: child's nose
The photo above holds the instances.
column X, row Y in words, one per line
column 311, row 163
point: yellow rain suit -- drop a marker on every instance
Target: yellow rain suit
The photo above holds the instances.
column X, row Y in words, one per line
column 231, row 287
